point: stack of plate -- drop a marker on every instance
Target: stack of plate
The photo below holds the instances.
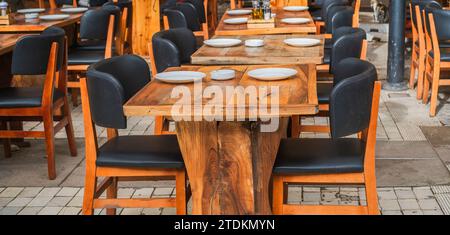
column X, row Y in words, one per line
column 74, row 10
column 30, row 10
column 54, row 17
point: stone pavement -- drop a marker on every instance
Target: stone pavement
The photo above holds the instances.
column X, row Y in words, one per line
column 412, row 158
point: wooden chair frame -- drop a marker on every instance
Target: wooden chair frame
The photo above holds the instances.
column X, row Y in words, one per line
column 418, row 53
column 297, row 126
column 79, row 70
column 205, row 27
column 112, row 175
column 433, row 69
column 366, row 178
column 48, row 112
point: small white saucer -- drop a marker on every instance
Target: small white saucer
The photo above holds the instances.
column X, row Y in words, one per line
column 223, row 74
column 254, row 43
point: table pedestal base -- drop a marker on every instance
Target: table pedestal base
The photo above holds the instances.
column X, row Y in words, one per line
column 229, row 165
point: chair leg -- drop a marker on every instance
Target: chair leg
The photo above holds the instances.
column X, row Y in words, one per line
column 296, row 124
column 50, row 143
column 426, row 85
column 6, row 141
column 434, row 91
column 412, row 73
column 278, row 195
column 371, row 193
column 420, row 77
column 111, row 193
column 74, row 94
column 181, row 202
column 90, row 186
column 69, row 128
column 159, row 121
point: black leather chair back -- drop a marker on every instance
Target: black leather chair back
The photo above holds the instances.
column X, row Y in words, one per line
column 173, row 47
column 94, row 23
column 31, row 53
column 183, row 15
column 97, row 3
column 442, row 23
column 347, row 42
column 430, row 8
column 338, row 16
column 328, row 4
column 110, row 84
column 351, row 98
column 63, row 2
column 200, row 8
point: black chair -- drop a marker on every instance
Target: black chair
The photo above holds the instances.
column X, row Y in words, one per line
column 58, row 3
column 185, row 15
column 109, row 84
column 96, row 27
column 38, row 55
column 347, row 42
column 438, row 58
column 321, row 19
column 170, row 48
column 338, row 16
column 339, row 160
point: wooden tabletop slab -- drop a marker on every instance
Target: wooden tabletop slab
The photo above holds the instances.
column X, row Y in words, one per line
column 8, row 41
column 36, row 25
column 297, row 95
column 280, row 27
column 274, row 51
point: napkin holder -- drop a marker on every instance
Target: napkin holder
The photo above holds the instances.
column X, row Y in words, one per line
column 261, row 24
column 6, row 20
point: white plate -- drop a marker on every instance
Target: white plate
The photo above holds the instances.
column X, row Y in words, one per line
column 254, row 43
column 180, row 76
column 295, row 20
column 272, row 74
column 239, row 12
column 236, row 21
column 223, row 74
column 31, row 10
column 74, row 9
column 222, row 42
column 295, row 8
column 54, row 17
column 302, row 42
column 31, row 16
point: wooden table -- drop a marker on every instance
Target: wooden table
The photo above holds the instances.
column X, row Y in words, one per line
column 8, row 41
column 280, row 27
column 37, row 25
column 274, row 51
column 229, row 163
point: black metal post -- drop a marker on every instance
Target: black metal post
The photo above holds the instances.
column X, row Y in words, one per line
column 396, row 50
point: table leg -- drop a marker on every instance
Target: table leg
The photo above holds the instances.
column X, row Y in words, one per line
column 229, row 165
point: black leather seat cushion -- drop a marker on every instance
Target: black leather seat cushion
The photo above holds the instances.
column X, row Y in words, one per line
column 324, row 92
column 13, row 97
column 306, row 156
column 141, row 151
column 327, row 56
column 445, row 55
column 84, row 57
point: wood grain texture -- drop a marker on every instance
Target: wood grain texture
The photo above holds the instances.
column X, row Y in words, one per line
column 37, row 25
column 280, row 27
column 297, row 95
column 274, row 51
column 146, row 22
column 227, row 179
column 8, row 41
